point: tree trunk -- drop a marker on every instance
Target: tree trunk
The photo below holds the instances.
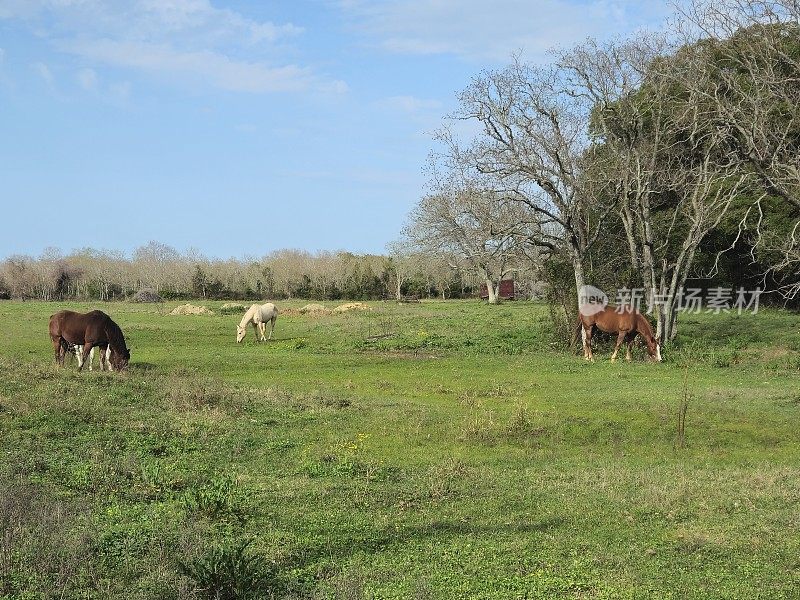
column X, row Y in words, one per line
column 577, row 266
column 492, row 291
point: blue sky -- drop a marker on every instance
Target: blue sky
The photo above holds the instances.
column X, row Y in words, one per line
column 238, row 128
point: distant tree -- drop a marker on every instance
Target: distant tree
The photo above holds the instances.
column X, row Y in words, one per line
column 199, row 282
column 459, row 219
column 405, row 262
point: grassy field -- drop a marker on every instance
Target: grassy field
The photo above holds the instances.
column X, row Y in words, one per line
column 433, row 450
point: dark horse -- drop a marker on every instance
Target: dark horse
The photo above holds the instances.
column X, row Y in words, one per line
column 626, row 323
column 69, row 329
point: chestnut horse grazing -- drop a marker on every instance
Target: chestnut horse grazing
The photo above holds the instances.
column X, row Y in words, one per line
column 626, row 323
column 89, row 330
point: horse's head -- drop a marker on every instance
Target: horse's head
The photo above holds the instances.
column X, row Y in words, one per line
column 653, row 348
column 120, row 359
column 240, row 331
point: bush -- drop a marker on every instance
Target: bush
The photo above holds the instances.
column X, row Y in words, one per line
column 146, row 296
column 229, row 572
column 232, row 308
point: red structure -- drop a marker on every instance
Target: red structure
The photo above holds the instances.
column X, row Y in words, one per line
column 506, row 290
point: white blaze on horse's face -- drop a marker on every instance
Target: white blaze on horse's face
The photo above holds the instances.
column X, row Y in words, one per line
column 240, row 331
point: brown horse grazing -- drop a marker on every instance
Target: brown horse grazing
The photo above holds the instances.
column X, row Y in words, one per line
column 68, row 329
column 626, row 323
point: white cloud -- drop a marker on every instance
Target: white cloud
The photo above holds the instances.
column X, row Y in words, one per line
column 199, row 16
column 87, row 78
column 148, row 18
column 481, row 31
column 184, row 40
column 44, row 72
column 206, row 66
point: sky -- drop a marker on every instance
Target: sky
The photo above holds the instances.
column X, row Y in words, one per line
column 240, row 127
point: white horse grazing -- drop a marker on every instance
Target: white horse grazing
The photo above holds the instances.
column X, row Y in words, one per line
column 258, row 316
column 105, row 357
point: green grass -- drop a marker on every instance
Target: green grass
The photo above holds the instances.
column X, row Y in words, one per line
column 433, row 450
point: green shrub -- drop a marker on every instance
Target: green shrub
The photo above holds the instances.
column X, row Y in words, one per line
column 220, row 498
column 229, row 571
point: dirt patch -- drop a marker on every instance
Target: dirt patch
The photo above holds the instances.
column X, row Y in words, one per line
column 314, row 309
column 774, row 352
column 351, row 306
column 191, row 309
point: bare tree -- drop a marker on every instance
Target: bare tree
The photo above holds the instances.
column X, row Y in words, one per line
column 406, row 261
column 661, row 154
column 535, row 143
column 461, row 219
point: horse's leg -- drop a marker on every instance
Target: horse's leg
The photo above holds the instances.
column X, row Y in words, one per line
column 262, row 329
column 628, row 355
column 620, row 338
column 106, row 353
column 57, row 347
column 255, row 328
column 272, row 326
column 87, row 349
column 588, row 343
column 91, row 359
column 79, row 354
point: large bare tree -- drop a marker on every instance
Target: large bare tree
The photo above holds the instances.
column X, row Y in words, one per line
column 534, row 148
column 661, row 153
column 461, row 219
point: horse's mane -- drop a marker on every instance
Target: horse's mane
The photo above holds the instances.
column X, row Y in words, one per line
column 248, row 316
column 643, row 325
column 114, row 334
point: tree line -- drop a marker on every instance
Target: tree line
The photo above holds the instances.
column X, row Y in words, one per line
column 652, row 162
column 90, row 274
